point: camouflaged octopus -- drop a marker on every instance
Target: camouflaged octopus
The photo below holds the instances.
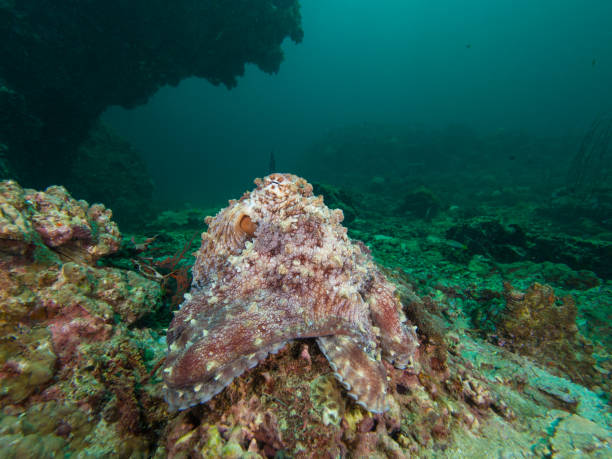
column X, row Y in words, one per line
column 274, row 266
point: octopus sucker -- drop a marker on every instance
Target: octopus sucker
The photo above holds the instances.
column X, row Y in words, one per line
column 274, row 266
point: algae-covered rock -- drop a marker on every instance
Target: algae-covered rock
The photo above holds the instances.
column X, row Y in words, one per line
column 27, row 362
column 72, row 229
column 489, row 236
column 16, row 231
column 124, row 293
column 575, row 436
column 537, row 323
column 32, row 446
column 70, row 367
column 512, row 242
column 327, row 399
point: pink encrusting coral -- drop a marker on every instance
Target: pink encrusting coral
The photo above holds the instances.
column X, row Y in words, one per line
column 73, row 229
column 274, row 266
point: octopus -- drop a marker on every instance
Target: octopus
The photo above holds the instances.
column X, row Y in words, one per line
column 275, row 266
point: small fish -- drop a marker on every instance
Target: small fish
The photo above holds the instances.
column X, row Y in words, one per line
column 593, row 62
column 272, row 163
column 455, row 244
column 468, row 46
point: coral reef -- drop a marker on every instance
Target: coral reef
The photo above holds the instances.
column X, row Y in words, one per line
column 275, row 266
column 73, row 369
column 532, row 323
column 81, row 346
column 530, row 314
column 72, row 229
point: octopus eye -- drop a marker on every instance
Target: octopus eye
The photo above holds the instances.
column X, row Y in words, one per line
column 247, row 225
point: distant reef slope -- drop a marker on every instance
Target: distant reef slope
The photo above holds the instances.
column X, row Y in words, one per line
column 63, row 63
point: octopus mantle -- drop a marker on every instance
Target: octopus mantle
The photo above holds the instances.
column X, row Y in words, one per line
column 274, row 266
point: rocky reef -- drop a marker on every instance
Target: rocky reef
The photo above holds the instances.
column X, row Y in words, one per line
column 56, row 221
column 62, row 65
column 107, row 166
column 83, row 345
column 73, row 366
column 526, row 326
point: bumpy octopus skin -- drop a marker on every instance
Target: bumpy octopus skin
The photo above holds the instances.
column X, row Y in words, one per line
column 274, row 266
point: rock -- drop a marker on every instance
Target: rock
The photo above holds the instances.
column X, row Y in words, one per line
column 71, row 229
column 74, row 51
column 576, row 437
column 73, row 365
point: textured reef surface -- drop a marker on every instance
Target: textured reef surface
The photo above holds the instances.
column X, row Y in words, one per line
column 513, row 355
column 72, row 362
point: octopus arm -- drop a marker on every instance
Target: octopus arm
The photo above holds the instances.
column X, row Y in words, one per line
column 361, row 374
column 399, row 340
column 208, row 350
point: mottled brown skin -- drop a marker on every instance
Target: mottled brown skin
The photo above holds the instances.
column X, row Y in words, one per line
column 275, row 266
